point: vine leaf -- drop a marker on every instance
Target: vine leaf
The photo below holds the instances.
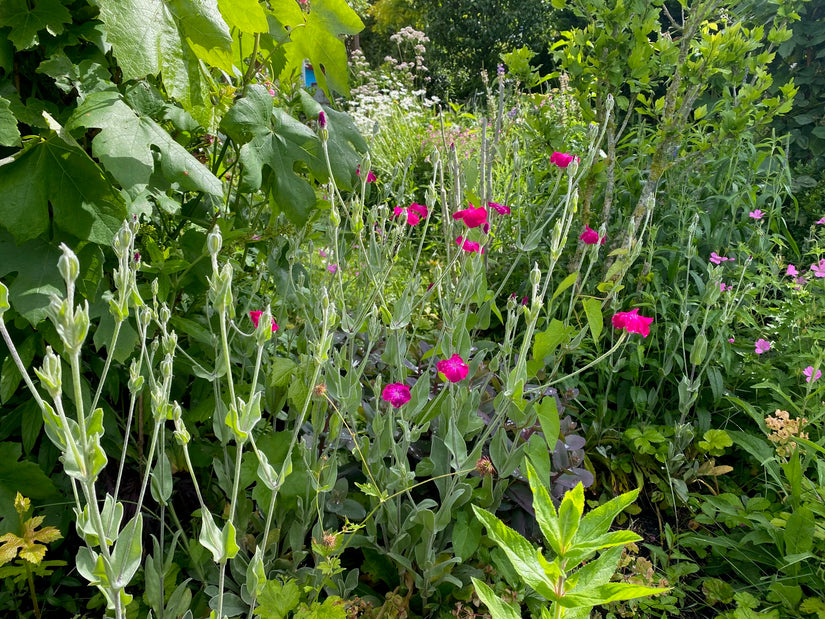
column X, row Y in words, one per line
column 245, row 15
column 58, row 173
column 19, row 475
column 152, row 36
column 27, row 21
column 9, row 134
column 125, row 147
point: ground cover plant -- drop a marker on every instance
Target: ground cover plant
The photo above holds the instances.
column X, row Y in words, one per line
column 276, row 351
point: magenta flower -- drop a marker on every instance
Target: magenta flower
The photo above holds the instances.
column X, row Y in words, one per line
column 562, row 159
column 501, row 209
column 792, row 271
column 255, row 317
column 272, row 94
column 632, row 322
column 415, row 213
column 762, row 346
column 819, row 268
column 820, row 221
column 333, row 268
column 397, row 394
column 472, row 217
column 757, row 214
column 731, row 340
column 590, row 236
column 717, row 259
column 470, row 246
column 723, row 286
column 811, row 376
column 454, row 368
column 322, row 118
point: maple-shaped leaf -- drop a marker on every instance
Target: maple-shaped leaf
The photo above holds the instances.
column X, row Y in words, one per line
column 125, row 147
column 16, row 474
column 31, row 545
column 9, row 134
column 317, row 35
column 57, row 172
column 27, row 18
column 151, row 37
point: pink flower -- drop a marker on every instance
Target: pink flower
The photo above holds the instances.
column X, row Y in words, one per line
column 632, row 322
column 470, row 246
column 820, row 221
column 454, row 368
column 757, row 214
column 562, row 159
column 420, row 209
column 590, row 236
column 322, row 118
column 792, row 271
column 762, row 346
column 333, row 268
column 414, row 212
column 322, row 253
column 499, row 208
column 371, row 178
column 272, row 94
column 819, row 268
column 397, row 394
column 255, row 317
column 809, row 372
column 717, row 259
column 472, row 217
column 731, row 340
column 723, row 286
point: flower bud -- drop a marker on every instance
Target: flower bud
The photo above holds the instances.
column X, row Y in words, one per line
column 68, row 265
column 135, row 379
column 166, row 367
column 214, row 241
column 609, row 103
column 164, row 314
column 122, row 240
column 535, row 275
column 169, row 342
column 51, row 374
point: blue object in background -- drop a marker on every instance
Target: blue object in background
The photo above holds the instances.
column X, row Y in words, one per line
column 309, row 75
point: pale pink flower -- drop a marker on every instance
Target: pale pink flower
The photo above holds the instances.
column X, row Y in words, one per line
column 811, row 375
column 792, row 272
column 819, row 268
column 757, row 214
column 762, row 346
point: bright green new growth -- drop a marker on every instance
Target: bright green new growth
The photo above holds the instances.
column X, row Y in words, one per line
column 572, row 538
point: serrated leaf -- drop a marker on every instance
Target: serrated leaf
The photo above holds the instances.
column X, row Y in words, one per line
column 598, row 520
column 9, row 134
column 27, row 19
column 499, row 609
column 546, row 514
column 519, row 551
column 277, row 600
column 125, row 147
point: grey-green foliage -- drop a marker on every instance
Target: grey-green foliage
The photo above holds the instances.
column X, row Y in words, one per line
column 572, row 538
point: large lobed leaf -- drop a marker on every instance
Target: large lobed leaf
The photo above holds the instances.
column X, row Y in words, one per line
column 27, row 18
column 125, row 147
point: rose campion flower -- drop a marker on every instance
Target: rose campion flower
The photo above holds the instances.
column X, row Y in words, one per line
column 590, row 236
column 632, row 322
column 454, row 368
column 717, row 259
column 762, row 346
column 397, row 394
column 501, row 209
column 322, row 119
column 473, row 217
column 819, row 268
column 371, row 178
column 811, row 375
column 470, row 246
column 255, row 317
column 415, row 213
column 731, row 340
column 792, row 271
column 562, row 160
column 757, row 214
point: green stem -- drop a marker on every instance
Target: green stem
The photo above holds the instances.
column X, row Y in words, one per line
column 32, row 593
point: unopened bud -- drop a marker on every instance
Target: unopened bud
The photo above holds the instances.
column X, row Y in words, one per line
column 535, row 274
column 169, row 342
column 135, row 379
column 51, row 374
column 214, row 241
column 4, row 299
column 166, row 367
column 68, row 265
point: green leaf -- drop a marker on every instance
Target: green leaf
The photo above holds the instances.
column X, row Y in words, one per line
column 27, row 19
column 59, row 173
column 277, row 600
column 466, row 535
column 19, row 476
column 149, row 37
column 603, row 594
column 245, row 15
column 565, row 284
column 519, row 551
column 546, row 514
column 499, row 609
column 269, row 157
column 9, row 134
column 36, row 275
column 127, row 142
column 547, row 341
column 570, row 513
column 593, row 310
column 127, row 552
column 330, row 608
column 582, row 549
column 548, row 413
column 799, row 531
